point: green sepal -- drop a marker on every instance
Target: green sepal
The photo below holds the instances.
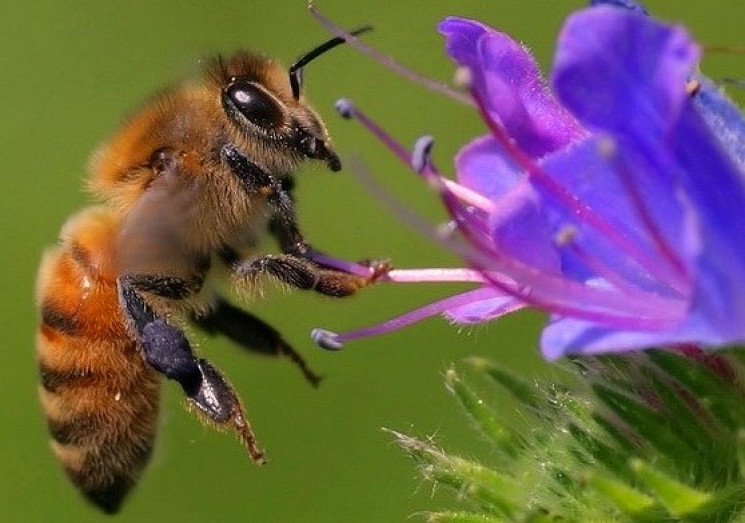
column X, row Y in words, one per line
column 462, row 517
column 629, row 500
column 507, row 440
column 721, row 397
column 497, row 493
column 523, row 391
column 645, row 422
column 614, row 461
column 680, row 500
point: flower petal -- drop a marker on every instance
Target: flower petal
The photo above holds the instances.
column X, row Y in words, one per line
column 633, row 5
column 723, row 118
column 628, row 191
column 484, row 167
column 507, row 78
column 564, row 336
column 488, row 304
column 622, row 72
column 716, row 187
column 517, row 227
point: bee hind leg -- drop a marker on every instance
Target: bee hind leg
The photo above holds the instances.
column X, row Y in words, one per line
column 166, row 349
column 252, row 334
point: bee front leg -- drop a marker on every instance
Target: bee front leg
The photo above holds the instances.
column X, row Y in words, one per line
column 296, row 266
column 305, row 274
column 338, row 276
column 166, row 349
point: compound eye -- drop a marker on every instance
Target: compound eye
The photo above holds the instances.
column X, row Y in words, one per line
column 253, row 103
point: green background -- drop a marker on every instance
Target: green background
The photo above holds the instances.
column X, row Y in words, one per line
column 71, row 71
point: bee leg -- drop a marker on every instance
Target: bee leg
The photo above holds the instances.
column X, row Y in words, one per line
column 172, row 287
column 278, row 193
column 252, row 334
column 167, row 350
column 293, row 267
column 283, row 226
column 306, row 275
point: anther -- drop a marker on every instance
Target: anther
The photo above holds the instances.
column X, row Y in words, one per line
column 447, row 229
column 693, row 86
column 345, row 107
column 566, row 235
column 607, row 147
column 326, row 339
column 463, row 77
column 421, row 153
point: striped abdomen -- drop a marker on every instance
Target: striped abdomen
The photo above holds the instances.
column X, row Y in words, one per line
column 99, row 397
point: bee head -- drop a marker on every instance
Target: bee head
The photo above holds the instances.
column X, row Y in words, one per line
column 264, row 102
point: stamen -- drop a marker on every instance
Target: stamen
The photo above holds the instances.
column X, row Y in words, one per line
column 447, row 229
column 435, row 275
column 345, row 108
column 469, row 196
column 326, row 339
column 334, row 341
column 632, row 309
column 421, row 152
column 463, row 77
column 387, row 61
column 559, row 295
column 342, row 265
column 566, row 235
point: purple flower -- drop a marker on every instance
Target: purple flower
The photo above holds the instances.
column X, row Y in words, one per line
column 613, row 198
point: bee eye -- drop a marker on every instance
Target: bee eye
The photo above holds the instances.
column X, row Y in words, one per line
column 253, row 103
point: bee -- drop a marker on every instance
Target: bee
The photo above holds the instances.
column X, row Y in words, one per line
column 187, row 188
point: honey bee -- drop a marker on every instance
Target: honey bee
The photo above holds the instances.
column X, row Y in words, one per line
column 188, row 186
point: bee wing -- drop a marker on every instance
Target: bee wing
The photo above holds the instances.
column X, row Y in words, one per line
column 153, row 238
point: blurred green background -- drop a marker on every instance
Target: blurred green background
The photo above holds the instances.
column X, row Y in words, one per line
column 72, row 71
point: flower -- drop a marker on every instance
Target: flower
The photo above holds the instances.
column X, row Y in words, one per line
column 610, row 198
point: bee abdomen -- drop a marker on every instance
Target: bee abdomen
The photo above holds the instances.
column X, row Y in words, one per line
column 102, row 435
column 99, row 397
column 102, row 463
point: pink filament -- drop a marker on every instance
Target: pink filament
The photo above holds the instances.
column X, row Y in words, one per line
column 411, row 317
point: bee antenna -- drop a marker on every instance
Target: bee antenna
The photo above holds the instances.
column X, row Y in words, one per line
column 296, row 69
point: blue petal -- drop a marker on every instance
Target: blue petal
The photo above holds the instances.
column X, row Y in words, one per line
column 484, row 167
column 723, row 118
column 565, row 336
column 716, row 187
column 507, row 80
column 634, row 199
column 623, row 73
column 636, row 70
column 518, row 227
column 632, row 5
